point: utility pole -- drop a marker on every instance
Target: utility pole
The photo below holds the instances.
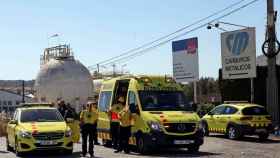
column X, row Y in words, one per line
column 195, row 100
column 271, row 81
column 97, row 70
column 114, row 70
column 252, row 90
column 23, row 94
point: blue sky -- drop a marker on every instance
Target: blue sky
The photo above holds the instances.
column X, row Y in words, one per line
column 98, row 30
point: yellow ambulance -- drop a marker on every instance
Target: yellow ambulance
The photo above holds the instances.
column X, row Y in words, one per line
column 162, row 116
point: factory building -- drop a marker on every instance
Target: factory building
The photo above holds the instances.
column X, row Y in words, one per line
column 10, row 100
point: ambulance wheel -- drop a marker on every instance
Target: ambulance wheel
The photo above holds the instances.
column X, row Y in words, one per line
column 8, row 147
column 193, row 148
column 263, row 136
column 205, row 128
column 142, row 146
column 233, row 132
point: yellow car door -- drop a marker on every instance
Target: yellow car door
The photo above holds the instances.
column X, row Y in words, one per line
column 136, row 120
column 103, row 125
column 11, row 128
column 215, row 115
column 225, row 117
column 11, row 131
column 221, row 123
column 210, row 120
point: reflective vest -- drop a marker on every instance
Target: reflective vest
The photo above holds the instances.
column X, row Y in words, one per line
column 125, row 118
column 115, row 109
column 89, row 117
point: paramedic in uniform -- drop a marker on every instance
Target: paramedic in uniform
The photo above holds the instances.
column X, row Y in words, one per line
column 88, row 118
column 115, row 123
column 95, row 138
column 61, row 107
column 125, row 117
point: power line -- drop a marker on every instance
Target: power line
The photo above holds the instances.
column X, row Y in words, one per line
column 130, row 57
column 170, row 34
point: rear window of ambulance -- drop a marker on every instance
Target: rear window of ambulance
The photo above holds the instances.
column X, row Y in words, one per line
column 254, row 111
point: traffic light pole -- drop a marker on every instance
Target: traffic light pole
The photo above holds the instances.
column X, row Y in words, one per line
column 271, row 81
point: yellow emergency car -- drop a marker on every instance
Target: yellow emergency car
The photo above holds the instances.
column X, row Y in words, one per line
column 162, row 116
column 38, row 127
column 238, row 119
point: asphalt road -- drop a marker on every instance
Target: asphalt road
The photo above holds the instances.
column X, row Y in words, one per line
column 215, row 146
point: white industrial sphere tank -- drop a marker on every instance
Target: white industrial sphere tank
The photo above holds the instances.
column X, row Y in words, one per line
column 61, row 77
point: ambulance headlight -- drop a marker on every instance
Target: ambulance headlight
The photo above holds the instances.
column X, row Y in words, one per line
column 68, row 133
column 154, row 126
column 25, row 134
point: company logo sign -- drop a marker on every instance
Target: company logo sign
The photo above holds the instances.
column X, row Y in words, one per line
column 238, row 50
column 237, row 42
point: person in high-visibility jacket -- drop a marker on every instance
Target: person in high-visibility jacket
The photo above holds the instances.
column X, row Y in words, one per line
column 115, row 122
column 88, row 118
column 125, row 118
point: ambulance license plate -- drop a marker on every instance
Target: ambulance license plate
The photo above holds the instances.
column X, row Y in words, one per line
column 48, row 142
column 180, row 142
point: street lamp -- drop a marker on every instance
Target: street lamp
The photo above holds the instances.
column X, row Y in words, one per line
column 218, row 25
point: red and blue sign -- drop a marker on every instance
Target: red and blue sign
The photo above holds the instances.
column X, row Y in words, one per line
column 190, row 45
column 185, row 60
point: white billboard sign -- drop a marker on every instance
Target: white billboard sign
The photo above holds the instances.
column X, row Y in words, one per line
column 238, row 51
column 185, row 60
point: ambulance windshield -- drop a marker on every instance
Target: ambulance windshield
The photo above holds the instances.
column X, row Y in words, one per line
column 164, row 101
column 41, row 115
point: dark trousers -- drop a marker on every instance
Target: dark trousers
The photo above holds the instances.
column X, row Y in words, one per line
column 95, row 137
column 114, row 131
column 124, row 138
column 88, row 131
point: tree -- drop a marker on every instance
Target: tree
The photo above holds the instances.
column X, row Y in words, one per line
column 207, row 88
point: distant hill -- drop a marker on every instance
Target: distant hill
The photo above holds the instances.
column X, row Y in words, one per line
column 14, row 83
column 16, row 86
